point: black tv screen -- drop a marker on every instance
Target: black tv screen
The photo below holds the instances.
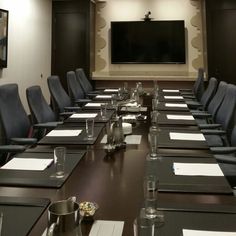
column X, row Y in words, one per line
column 148, row 42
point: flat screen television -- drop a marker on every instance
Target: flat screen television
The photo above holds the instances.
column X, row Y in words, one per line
column 148, row 42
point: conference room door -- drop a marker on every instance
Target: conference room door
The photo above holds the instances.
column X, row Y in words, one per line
column 69, row 43
column 221, row 37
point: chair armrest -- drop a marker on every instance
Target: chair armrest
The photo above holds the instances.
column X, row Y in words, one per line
column 188, row 96
column 91, row 95
column 209, row 126
column 84, row 100
column 186, row 91
column 24, row 141
column 64, row 115
column 193, row 103
column 48, row 125
column 12, row 148
column 72, row 108
column 96, row 92
column 201, row 115
column 213, row 132
column 225, row 159
column 223, row 150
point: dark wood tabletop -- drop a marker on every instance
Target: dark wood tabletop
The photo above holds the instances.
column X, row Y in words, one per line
column 115, row 183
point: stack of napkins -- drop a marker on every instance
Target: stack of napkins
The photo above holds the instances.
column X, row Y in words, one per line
column 107, row 228
column 187, row 136
column 129, row 117
column 133, row 139
column 189, row 232
column 132, row 104
column 84, row 115
column 27, row 164
column 197, row 169
column 64, row 133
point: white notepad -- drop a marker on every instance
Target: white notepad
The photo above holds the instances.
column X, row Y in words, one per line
column 27, row 164
column 103, row 96
column 95, row 104
column 111, row 90
column 84, row 115
column 64, row 133
column 187, row 136
column 179, row 117
column 170, row 90
column 173, row 97
column 190, row 232
column 107, row 228
column 175, row 105
column 197, row 169
column 133, row 139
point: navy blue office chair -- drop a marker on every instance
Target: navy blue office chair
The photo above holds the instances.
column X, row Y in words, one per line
column 206, row 97
column 75, row 90
column 224, row 119
column 42, row 114
column 16, row 127
column 62, row 104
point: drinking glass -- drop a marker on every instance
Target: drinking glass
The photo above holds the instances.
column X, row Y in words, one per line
column 125, row 88
column 143, row 227
column 139, row 88
column 103, row 111
column 155, row 103
column 120, row 93
column 153, row 142
column 90, row 128
column 114, row 100
column 156, row 89
column 59, row 161
column 154, row 118
column 150, row 195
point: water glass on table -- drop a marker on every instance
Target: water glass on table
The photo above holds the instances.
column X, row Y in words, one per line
column 90, row 128
column 153, row 142
column 114, row 100
column 150, row 185
column 59, row 161
column 154, row 118
column 155, row 103
column 143, row 227
column 103, row 111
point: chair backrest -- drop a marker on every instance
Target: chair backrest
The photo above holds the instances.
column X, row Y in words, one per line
column 209, row 92
column 226, row 111
column 60, row 98
column 14, row 120
column 233, row 137
column 217, row 99
column 83, row 80
column 198, row 87
column 74, row 87
column 40, row 111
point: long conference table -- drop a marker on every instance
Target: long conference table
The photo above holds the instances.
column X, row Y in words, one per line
column 115, row 182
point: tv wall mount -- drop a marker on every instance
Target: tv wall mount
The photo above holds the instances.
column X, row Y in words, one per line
column 147, row 16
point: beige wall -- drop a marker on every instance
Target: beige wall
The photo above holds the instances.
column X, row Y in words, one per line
column 125, row 10
column 29, row 44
